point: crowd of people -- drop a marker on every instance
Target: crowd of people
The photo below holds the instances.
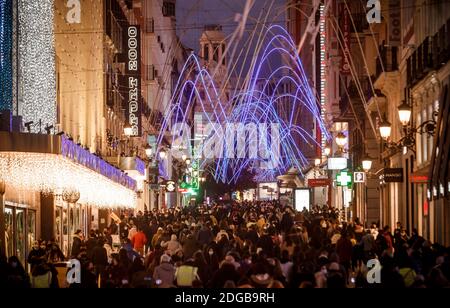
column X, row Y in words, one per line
column 244, row 245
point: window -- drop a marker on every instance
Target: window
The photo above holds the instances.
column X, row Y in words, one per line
column 419, row 142
column 206, row 52
column 150, row 72
column 424, row 138
column 150, row 25
column 168, row 9
column 216, row 52
column 430, row 138
column 223, row 54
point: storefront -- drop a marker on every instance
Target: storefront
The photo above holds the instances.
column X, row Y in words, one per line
column 20, row 230
column 41, row 175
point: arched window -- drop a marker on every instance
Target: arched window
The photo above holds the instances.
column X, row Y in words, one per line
column 206, row 52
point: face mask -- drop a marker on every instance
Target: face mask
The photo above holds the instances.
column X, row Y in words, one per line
column 35, row 247
column 324, row 225
column 14, row 264
column 211, row 252
column 43, row 247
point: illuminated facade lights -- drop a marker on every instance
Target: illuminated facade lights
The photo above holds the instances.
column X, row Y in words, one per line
column 51, row 173
column 6, row 54
column 323, row 65
column 37, row 80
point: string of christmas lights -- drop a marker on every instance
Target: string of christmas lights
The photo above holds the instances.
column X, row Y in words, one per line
column 52, row 173
column 6, row 54
column 37, row 63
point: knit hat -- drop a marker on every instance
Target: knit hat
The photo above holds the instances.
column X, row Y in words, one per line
column 165, row 258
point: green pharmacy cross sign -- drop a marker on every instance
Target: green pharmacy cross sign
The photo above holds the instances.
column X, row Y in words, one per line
column 344, row 179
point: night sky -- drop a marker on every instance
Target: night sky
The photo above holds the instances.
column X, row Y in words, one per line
column 192, row 15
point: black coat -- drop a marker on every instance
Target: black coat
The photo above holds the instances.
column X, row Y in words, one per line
column 76, row 246
column 99, row 256
column 90, row 245
column 286, row 222
column 266, row 243
column 35, row 257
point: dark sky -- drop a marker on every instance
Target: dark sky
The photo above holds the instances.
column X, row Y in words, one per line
column 192, row 15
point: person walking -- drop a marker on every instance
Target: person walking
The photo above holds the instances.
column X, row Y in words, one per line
column 138, row 241
column 164, row 273
column 76, row 243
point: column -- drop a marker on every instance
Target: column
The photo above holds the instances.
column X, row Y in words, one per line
column 2, row 217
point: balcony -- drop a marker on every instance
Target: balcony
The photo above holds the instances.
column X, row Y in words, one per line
column 432, row 54
column 387, row 62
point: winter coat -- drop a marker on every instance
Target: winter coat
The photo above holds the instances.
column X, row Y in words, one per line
column 166, row 273
column 190, row 246
column 99, row 256
column 344, row 249
column 76, row 245
column 139, row 240
column 90, row 245
column 173, row 245
column 205, row 237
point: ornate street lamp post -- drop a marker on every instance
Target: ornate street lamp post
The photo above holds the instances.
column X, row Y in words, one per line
column 71, row 197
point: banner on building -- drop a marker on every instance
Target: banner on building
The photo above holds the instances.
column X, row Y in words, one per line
column 133, row 74
column 395, row 23
column 346, row 33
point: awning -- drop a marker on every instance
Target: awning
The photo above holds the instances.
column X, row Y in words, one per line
column 53, row 164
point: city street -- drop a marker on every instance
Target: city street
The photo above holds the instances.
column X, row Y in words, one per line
column 224, row 144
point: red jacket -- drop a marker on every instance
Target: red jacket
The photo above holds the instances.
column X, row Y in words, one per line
column 139, row 240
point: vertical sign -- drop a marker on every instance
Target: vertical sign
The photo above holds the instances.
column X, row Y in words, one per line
column 133, row 97
column 345, row 65
column 395, row 31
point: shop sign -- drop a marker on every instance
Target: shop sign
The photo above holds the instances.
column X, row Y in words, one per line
column 395, row 23
column 170, row 186
column 344, row 179
column 337, row 163
column 360, row 177
column 391, row 175
column 133, row 65
column 319, row 182
column 416, row 178
column 83, row 157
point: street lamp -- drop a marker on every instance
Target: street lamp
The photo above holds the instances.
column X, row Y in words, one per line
column 327, row 151
column 148, row 150
column 341, row 140
column 317, row 162
column 128, row 130
column 385, row 129
column 162, row 154
column 188, row 161
column 367, row 163
column 404, row 113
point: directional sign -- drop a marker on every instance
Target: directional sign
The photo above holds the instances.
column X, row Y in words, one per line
column 344, row 179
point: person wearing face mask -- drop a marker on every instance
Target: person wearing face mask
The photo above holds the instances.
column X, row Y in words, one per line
column 36, row 255
column 212, row 260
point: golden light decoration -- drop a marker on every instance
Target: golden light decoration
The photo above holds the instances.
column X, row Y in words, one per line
column 51, row 173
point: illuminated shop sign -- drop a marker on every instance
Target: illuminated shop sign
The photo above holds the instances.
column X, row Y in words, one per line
column 83, row 157
column 133, row 96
